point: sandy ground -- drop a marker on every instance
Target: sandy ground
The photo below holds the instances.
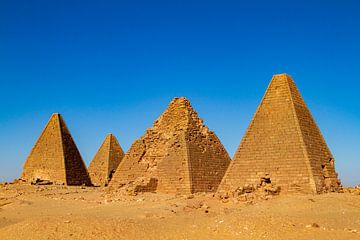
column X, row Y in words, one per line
column 50, row 212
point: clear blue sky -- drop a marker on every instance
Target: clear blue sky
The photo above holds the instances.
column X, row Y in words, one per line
column 113, row 66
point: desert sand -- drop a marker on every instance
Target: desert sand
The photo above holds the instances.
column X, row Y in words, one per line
column 63, row 212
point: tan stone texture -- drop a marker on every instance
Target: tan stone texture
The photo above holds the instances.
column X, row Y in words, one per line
column 177, row 155
column 106, row 161
column 283, row 144
column 55, row 157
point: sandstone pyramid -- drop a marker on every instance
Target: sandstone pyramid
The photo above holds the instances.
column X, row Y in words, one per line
column 283, row 145
column 177, row 155
column 105, row 161
column 55, row 157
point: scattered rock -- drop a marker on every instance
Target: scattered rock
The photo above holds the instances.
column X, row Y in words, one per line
column 191, row 196
column 354, row 190
column 194, row 204
column 38, row 181
column 350, row 230
column 264, row 190
column 313, row 225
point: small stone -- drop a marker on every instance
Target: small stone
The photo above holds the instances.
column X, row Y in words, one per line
column 191, row 196
column 315, row 225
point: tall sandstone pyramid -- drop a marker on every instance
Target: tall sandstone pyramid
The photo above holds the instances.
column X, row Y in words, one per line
column 177, row 155
column 106, row 161
column 55, row 157
column 283, row 145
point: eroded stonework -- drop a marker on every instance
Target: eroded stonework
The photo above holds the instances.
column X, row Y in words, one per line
column 105, row 162
column 283, row 146
column 177, row 155
column 55, row 157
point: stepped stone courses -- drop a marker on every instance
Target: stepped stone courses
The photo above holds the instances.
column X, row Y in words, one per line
column 283, row 146
column 177, row 155
column 55, row 157
column 105, row 161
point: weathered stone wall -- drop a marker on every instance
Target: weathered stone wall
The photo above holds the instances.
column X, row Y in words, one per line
column 321, row 159
column 55, row 157
column 283, row 145
column 172, row 151
column 105, row 161
column 207, row 156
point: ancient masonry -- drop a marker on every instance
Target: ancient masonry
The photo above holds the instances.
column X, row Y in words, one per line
column 283, row 145
column 55, row 157
column 105, row 161
column 177, row 155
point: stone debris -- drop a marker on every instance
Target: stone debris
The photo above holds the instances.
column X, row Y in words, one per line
column 55, row 157
column 179, row 153
column 350, row 230
column 354, row 190
column 38, row 181
column 195, row 204
column 250, row 192
column 283, row 146
column 142, row 184
column 105, row 162
column 313, row 225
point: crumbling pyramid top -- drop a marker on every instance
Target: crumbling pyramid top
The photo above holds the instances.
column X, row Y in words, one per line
column 105, row 161
column 55, row 157
column 283, row 145
column 178, row 154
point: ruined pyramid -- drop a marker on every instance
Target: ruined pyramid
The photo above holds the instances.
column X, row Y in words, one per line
column 105, row 161
column 55, row 157
column 283, row 145
column 177, row 155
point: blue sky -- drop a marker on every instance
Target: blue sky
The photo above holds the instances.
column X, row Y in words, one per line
column 113, row 66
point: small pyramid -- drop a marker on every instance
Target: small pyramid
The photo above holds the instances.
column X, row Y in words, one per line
column 283, row 145
column 177, row 155
column 105, row 161
column 55, row 157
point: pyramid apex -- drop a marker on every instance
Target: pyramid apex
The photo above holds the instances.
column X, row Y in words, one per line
column 55, row 114
column 282, row 75
column 180, row 102
column 109, row 137
column 281, row 78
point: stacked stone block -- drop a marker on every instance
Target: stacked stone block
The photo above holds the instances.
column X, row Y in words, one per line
column 105, row 161
column 283, row 145
column 177, row 155
column 55, row 157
